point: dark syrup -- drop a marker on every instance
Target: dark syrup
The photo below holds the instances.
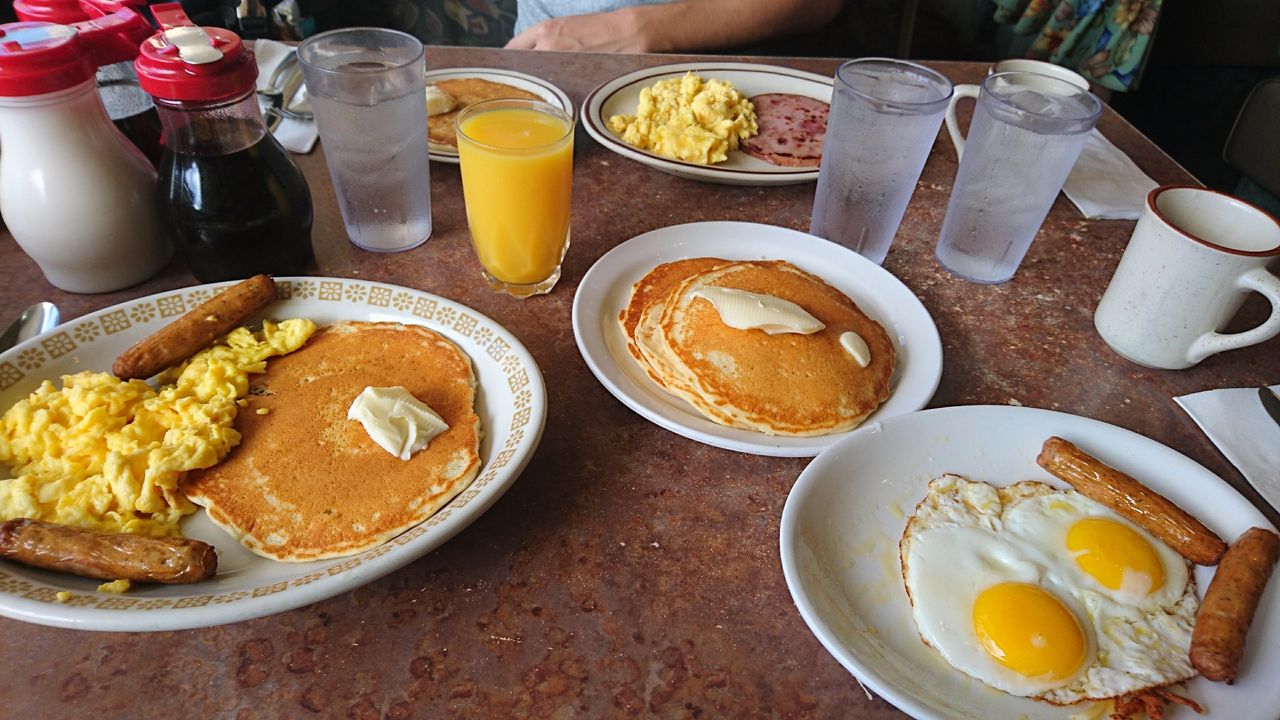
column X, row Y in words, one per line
column 240, row 214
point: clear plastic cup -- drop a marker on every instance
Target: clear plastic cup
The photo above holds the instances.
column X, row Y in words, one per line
column 516, row 159
column 366, row 87
column 1027, row 131
column 884, row 118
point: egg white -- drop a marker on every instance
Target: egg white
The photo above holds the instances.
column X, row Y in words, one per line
column 966, row 536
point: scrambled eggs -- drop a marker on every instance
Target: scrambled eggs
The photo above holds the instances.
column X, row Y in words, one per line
column 689, row 119
column 107, row 455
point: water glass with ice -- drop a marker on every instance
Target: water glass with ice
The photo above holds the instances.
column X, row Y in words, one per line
column 884, row 118
column 366, row 86
column 1027, row 131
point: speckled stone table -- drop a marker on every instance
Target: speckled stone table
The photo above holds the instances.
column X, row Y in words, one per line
column 628, row 571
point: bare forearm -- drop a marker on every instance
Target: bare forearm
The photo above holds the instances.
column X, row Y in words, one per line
column 685, row 25
column 691, row 25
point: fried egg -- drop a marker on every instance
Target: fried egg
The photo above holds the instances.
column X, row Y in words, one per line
column 1043, row 593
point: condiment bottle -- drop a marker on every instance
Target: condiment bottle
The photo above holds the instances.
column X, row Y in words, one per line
column 127, row 105
column 237, row 203
column 76, row 195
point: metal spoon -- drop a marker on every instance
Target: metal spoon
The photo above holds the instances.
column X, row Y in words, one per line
column 35, row 320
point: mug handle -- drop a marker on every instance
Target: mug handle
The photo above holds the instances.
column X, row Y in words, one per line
column 953, row 125
column 1258, row 280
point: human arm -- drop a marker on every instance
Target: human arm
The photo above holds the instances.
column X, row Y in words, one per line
column 681, row 26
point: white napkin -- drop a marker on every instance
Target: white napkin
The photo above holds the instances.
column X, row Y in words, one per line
column 298, row 136
column 1236, row 422
column 1105, row 184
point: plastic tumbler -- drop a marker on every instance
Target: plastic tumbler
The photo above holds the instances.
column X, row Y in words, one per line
column 516, row 160
column 366, row 87
column 884, row 118
column 1027, row 131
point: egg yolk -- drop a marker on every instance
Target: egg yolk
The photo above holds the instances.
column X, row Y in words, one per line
column 1029, row 631
column 1116, row 556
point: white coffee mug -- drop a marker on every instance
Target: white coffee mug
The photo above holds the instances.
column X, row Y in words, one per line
column 1194, row 257
column 1012, row 65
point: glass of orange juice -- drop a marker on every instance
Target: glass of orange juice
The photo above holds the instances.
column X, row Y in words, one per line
column 517, row 172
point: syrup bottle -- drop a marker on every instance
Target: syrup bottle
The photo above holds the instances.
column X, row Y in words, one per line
column 75, row 194
column 237, row 203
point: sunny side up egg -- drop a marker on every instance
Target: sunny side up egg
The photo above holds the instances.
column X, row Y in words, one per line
column 104, row 454
column 1043, row 593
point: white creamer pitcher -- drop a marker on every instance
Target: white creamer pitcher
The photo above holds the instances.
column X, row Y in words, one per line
column 76, row 195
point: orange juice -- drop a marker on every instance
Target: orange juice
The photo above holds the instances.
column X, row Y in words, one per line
column 517, row 170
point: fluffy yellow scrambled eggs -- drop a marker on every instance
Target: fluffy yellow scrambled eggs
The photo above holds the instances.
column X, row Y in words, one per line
column 104, row 454
column 689, row 119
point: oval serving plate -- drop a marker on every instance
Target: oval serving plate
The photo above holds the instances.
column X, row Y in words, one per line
column 511, row 401
column 621, row 95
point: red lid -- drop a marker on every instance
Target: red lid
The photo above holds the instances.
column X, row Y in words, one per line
column 62, row 12
column 185, row 62
column 38, row 58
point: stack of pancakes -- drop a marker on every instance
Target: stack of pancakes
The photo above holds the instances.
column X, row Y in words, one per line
column 785, row 384
column 307, row 483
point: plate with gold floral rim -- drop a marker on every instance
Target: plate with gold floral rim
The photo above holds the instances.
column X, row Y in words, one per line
column 511, row 401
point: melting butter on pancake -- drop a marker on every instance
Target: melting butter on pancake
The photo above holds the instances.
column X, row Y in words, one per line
column 654, row 287
column 467, row 91
column 786, row 384
column 306, row 483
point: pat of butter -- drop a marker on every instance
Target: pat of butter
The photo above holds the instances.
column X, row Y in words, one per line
column 439, row 101
column 853, row 344
column 753, row 311
column 397, row 421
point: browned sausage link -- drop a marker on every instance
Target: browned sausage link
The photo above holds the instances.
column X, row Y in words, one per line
column 185, row 336
column 107, row 556
column 1217, row 642
column 1133, row 500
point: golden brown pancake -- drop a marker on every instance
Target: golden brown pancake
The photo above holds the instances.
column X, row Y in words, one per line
column 306, row 483
column 655, row 286
column 787, row 384
column 467, row 91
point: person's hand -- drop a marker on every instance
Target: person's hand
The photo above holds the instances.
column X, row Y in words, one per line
column 593, row 32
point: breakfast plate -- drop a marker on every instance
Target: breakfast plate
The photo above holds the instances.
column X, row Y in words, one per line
column 511, row 402
column 536, row 85
column 846, row 513
column 606, row 289
column 620, row 96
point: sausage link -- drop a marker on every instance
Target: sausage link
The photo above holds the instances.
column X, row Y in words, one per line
column 1133, row 500
column 188, row 334
column 107, row 556
column 1217, row 642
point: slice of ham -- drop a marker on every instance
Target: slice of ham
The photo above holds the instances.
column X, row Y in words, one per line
column 791, row 130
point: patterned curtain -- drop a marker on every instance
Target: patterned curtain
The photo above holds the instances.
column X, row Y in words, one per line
column 1107, row 41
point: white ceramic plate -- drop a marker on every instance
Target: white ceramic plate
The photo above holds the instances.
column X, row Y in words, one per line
column 536, row 85
column 846, row 513
column 621, row 95
column 511, row 403
column 606, row 289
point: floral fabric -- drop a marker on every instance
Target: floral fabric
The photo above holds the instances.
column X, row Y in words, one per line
column 1107, row 41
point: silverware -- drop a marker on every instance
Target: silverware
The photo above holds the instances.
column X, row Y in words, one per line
column 276, row 87
column 1270, row 403
column 282, row 110
column 35, row 320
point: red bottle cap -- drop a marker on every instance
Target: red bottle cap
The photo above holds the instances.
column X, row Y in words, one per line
column 38, row 58
column 187, row 63
column 61, row 12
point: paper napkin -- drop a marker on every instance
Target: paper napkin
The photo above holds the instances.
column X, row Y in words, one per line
column 1236, row 422
column 298, row 136
column 1105, row 184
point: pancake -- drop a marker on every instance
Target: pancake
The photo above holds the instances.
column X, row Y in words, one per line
column 655, row 286
column 467, row 91
column 306, row 483
column 786, row 384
